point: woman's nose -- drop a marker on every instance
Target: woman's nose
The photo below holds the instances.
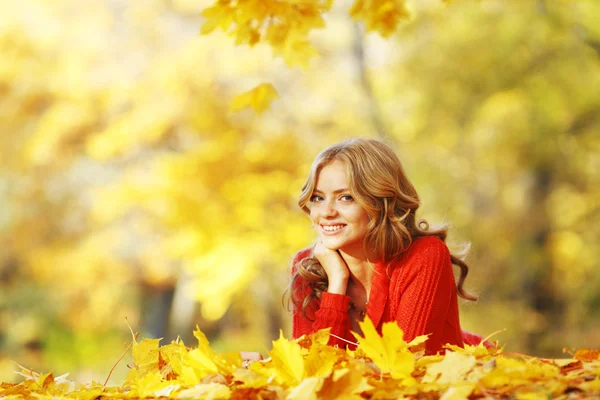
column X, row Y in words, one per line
column 329, row 209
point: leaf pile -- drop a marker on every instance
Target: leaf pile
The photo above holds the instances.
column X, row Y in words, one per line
column 382, row 367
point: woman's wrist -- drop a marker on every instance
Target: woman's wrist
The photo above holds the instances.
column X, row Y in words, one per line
column 338, row 285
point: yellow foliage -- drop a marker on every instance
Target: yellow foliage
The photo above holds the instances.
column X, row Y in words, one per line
column 222, row 272
column 284, row 25
column 382, row 16
column 212, row 391
column 306, row 390
column 389, row 352
column 454, row 376
column 288, row 362
column 453, row 367
column 481, row 101
column 145, row 354
column 259, row 98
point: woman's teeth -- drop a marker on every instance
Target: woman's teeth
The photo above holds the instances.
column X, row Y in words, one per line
column 332, row 228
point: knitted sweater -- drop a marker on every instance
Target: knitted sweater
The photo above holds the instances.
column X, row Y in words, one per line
column 418, row 292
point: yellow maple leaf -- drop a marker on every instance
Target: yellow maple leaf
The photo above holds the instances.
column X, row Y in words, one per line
column 217, row 16
column 419, row 340
column 145, row 354
column 288, row 362
column 202, row 362
column 198, row 362
column 345, row 384
column 228, row 362
column 320, row 357
column 389, row 351
column 152, row 383
column 172, row 354
column 320, row 360
column 259, row 98
column 479, row 351
column 512, row 372
column 45, row 381
column 306, row 390
column 318, row 338
column 458, row 392
column 206, row 391
column 250, row 378
column 453, row 367
column 381, row 16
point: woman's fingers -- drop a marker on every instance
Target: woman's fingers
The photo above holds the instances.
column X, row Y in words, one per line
column 335, row 267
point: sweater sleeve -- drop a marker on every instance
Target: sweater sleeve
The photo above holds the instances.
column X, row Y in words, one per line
column 425, row 292
column 330, row 312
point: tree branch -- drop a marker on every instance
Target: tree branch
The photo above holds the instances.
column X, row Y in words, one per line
column 374, row 110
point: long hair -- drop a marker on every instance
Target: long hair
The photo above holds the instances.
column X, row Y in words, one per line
column 378, row 183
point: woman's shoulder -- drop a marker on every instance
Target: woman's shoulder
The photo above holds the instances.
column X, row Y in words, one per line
column 424, row 256
column 426, row 248
column 428, row 243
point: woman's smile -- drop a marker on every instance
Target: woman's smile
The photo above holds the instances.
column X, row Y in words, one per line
column 332, row 229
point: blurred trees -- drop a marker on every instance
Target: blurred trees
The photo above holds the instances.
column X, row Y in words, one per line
column 130, row 190
column 509, row 111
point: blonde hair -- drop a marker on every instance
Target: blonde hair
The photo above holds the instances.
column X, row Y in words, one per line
column 378, row 182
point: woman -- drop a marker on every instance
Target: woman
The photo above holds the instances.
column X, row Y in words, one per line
column 372, row 257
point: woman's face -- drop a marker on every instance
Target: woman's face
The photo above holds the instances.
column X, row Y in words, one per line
column 338, row 219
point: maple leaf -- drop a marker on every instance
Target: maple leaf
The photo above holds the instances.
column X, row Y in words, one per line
column 453, row 367
column 389, row 351
column 320, row 337
column 145, row 354
column 259, row 98
column 249, row 378
column 228, row 362
column 511, row 372
column 458, row 392
column 150, row 384
column 198, row 362
column 306, row 390
column 344, row 383
column 479, row 351
column 296, row 51
column 587, row 355
column 287, row 361
column 454, row 376
column 381, row 16
column 206, row 391
column 217, row 16
column 320, row 358
column 172, row 355
column 417, row 342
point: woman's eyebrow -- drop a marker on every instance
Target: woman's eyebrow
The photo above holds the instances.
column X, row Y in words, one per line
column 337, row 191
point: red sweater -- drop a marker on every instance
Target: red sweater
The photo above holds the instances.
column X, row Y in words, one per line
column 419, row 294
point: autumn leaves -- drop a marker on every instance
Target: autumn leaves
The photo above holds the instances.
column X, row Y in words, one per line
column 383, row 366
column 285, row 26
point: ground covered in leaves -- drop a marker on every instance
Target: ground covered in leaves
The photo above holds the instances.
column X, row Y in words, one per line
column 382, row 367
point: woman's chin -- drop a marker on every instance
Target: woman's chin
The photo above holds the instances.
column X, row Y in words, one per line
column 330, row 244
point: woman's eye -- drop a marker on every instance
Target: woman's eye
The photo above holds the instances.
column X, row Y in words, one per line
column 316, row 198
column 347, row 197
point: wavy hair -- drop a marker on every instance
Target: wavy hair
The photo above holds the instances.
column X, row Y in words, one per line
column 380, row 185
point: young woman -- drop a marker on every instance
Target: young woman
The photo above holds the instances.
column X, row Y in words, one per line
column 372, row 257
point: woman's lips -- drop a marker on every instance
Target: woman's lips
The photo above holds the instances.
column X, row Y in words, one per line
column 332, row 229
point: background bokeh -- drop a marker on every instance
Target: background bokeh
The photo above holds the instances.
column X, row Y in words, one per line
column 131, row 195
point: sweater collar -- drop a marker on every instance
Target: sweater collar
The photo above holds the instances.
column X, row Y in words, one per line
column 378, row 296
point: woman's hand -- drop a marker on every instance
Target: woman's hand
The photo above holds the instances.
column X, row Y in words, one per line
column 335, row 267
